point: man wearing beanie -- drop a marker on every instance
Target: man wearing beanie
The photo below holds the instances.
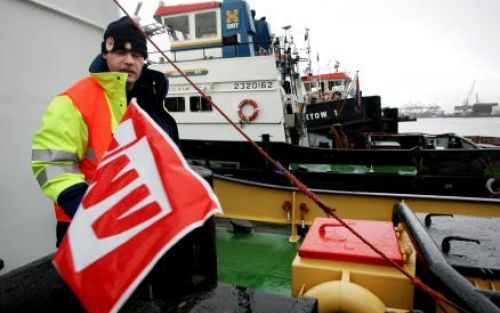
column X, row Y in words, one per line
column 75, row 128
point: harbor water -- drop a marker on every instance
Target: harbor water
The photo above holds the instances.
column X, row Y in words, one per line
column 463, row 126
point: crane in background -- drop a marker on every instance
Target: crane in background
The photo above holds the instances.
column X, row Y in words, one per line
column 466, row 107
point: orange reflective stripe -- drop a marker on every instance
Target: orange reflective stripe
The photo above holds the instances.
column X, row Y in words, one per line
column 88, row 96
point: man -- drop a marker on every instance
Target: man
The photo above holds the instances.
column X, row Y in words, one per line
column 77, row 126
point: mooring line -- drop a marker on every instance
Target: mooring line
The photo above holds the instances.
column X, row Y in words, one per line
column 328, row 210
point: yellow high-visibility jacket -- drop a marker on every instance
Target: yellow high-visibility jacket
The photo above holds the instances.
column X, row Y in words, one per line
column 75, row 132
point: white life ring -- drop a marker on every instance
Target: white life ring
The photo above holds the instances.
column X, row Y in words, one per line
column 253, row 114
column 489, row 186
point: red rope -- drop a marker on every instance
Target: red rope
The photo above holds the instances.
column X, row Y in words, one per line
column 329, row 211
column 335, row 137
column 276, row 164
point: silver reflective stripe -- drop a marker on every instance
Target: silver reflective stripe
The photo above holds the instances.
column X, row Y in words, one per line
column 90, row 155
column 52, row 171
column 49, row 155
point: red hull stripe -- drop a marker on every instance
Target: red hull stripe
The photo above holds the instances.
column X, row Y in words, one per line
column 325, row 76
column 181, row 8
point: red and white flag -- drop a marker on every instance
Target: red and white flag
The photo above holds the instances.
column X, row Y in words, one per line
column 144, row 198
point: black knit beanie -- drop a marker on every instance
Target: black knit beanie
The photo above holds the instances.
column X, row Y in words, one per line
column 122, row 34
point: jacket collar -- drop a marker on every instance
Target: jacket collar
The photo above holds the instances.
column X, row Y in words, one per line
column 111, row 81
column 99, row 66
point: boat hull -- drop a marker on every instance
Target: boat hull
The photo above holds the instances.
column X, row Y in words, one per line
column 452, row 172
column 263, row 202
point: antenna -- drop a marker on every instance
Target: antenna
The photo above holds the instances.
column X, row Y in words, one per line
column 138, row 8
column 136, row 12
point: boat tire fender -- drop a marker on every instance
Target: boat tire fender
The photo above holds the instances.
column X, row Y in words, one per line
column 346, row 297
column 494, row 190
column 255, row 110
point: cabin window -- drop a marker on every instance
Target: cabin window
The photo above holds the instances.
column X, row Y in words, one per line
column 206, row 25
column 307, row 86
column 178, row 27
column 175, row 104
column 206, row 105
column 441, row 143
column 467, row 145
column 199, row 104
column 334, row 83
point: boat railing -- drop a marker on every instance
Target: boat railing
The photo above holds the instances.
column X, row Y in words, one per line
column 206, row 52
column 453, row 283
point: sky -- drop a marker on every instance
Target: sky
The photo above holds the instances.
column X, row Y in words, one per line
column 406, row 51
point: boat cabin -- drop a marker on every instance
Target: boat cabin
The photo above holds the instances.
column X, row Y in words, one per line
column 331, row 86
column 214, row 30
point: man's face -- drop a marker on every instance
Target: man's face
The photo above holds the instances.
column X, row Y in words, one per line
column 124, row 61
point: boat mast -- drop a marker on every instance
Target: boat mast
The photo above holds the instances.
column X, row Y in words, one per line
column 286, row 53
column 319, row 75
column 289, row 67
column 308, row 49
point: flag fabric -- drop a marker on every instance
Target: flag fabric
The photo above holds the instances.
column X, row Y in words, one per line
column 143, row 199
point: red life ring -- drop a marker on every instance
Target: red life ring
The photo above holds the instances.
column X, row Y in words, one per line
column 254, row 113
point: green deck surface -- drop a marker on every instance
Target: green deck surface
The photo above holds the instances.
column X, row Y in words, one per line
column 260, row 260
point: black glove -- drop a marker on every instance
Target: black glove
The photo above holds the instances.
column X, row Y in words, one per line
column 70, row 198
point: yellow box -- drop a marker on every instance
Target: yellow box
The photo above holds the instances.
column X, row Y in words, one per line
column 386, row 283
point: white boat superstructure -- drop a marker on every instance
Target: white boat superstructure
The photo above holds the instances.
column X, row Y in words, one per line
column 229, row 82
column 232, row 56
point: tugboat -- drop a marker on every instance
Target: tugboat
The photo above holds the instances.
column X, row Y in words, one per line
column 332, row 271
column 319, row 126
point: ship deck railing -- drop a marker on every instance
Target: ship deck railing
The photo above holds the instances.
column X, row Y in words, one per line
column 173, row 54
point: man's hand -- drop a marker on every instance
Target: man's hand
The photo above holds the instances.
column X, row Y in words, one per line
column 70, row 198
